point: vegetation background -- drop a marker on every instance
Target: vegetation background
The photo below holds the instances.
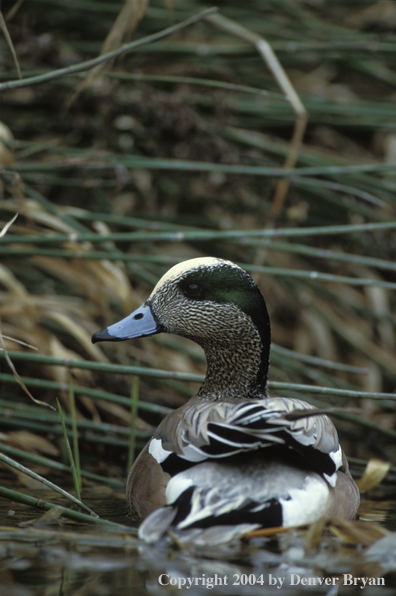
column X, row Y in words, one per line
column 173, row 150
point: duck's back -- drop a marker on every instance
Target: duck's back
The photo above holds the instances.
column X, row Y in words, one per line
column 252, row 464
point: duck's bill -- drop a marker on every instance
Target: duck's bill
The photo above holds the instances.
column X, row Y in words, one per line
column 140, row 323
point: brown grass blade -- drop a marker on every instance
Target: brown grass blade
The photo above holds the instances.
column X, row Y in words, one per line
column 376, row 470
column 7, row 226
column 124, row 26
column 18, row 378
column 4, row 29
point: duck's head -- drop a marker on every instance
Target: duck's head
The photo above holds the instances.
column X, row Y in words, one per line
column 216, row 304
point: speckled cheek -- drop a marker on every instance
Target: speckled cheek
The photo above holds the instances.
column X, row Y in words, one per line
column 167, row 307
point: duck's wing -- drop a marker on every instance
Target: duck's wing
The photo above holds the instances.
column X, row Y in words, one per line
column 220, row 430
column 232, row 468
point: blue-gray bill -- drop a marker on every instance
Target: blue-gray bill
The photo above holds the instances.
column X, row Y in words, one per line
column 140, row 323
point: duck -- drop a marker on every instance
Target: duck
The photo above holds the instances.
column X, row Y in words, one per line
column 232, row 459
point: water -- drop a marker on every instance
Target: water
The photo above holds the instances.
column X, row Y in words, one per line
column 62, row 557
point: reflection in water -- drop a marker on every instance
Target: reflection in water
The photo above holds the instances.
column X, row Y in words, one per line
column 66, row 558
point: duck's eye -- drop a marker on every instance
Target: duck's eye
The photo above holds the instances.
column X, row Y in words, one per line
column 193, row 289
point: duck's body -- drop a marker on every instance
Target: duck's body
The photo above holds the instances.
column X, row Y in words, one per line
column 231, row 459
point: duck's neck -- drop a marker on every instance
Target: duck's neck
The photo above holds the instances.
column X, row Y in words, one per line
column 237, row 366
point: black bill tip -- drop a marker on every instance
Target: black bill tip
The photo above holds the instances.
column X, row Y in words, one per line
column 103, row 335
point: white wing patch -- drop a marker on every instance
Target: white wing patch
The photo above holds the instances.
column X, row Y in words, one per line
column 332, row 480
column 336, row 456
column 175, row 487
column 306, row 504
column 157, row 451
